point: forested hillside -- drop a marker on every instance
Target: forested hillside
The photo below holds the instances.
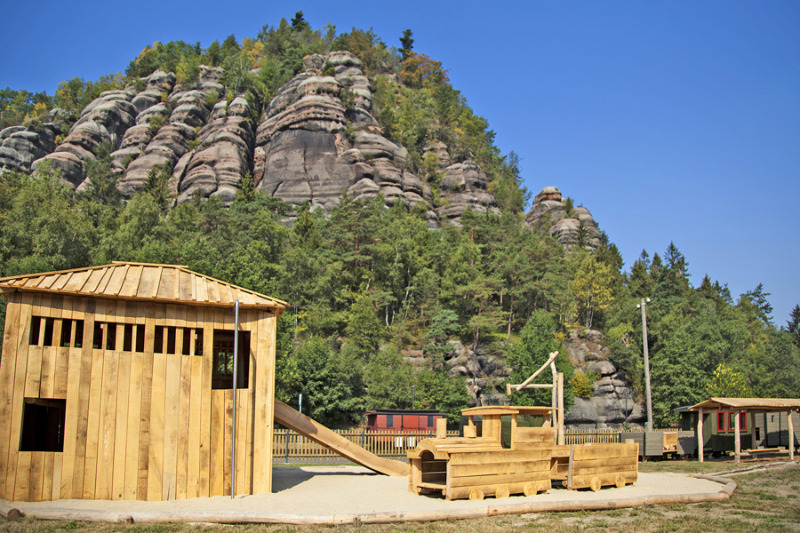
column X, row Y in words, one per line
column 379, row 301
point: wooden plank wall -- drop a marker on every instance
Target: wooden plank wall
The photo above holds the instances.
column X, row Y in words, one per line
column 138, row 425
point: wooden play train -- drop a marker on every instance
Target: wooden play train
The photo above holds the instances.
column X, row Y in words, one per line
column 501, row 456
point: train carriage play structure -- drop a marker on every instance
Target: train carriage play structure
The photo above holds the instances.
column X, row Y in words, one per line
column 141, row 381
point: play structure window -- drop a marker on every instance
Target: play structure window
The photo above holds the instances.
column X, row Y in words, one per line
column 108, row 330
column 37, row 334
column 128, row 343
column 222, row 377
column 742, row 422
column 721, row 422
column 187, row 341
column 70, row 337
column 42, row 425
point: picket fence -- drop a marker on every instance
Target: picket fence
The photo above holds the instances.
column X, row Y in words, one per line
column 289, row 447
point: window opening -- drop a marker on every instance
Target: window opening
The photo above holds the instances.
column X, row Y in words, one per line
column 49, row 325
column 198, row 343
column 111, row 336
column 186, row 348
column 127, row 337
column 159, row 340
column 66, row 333
column 36, row 324
column 78, row 339
column 97, row 338
column 721, row 422
column 171, row 339
column 42, row 425
column 140, row 338
column 222, row 377
column 389, row 421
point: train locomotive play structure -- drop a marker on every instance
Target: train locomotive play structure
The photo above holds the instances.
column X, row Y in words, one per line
column 503, row 456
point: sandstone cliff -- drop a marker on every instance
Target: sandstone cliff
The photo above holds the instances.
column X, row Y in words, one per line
column 316, row 140
column 571, row 226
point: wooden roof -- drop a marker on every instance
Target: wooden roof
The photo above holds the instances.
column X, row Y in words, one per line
column 748, row 404
column 142, row 282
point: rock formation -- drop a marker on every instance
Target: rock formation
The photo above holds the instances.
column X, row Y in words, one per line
column 570, row 226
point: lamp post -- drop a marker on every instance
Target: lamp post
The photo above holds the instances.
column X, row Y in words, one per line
column 643, row 305
column 413, row 390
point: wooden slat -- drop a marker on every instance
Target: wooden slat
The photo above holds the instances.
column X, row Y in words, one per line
column 76, row 281
column 134, row 426
column 20, row 367
column 171, row 411
column 183, row 426
column 130, row 284
column 155, row 464
column 148, row 284
column 217, row 455
column 93, row 423
column 95, row 277
column 121, row 424
column 37, row 480
column 144, row 411
column 599, row 451
column 204, row 485
column 63, row 353
column 493, row 479
column 7, row 371
column 22, row 483
column 228, row 449
column 537, row 466
column 195, row 415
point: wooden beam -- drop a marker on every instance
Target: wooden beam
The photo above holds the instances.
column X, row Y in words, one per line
column 791, row 434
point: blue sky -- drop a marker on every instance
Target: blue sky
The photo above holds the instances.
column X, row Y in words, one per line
column 669, row 120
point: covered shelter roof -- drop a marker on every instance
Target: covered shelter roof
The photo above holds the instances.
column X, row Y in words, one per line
column 748, row 404
column 171, row 284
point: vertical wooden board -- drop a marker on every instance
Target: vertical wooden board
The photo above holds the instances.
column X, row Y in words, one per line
column 47, row 476
column 155, row 463
column 267, row 340
column 63, row 354
column 121, row 425
column 58, row 461
column 184, row 416
column 23, row 478
column 242, row 416
column 93, row 424
column 7, row 367
column 204, row 485
column 171, row 422
column 33, row 373
column 17, row 396
column 106, row 442
column 217, row 451
column 228, row 447
column 72, row 416
column 148, row 360
column 195, row 415
column 134, row 426
column 36, row 481
column 252, row 324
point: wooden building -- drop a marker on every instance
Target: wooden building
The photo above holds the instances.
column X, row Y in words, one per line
column 402, row 419
column 116, row 383
column 734, row 421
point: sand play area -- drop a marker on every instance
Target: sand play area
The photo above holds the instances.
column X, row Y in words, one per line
column 337, row 495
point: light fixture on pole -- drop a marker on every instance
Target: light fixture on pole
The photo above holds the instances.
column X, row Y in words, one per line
column 642, row 306
column 413, row 390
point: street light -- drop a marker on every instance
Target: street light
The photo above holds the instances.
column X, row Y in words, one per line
column 642, row 305
column 413, row 390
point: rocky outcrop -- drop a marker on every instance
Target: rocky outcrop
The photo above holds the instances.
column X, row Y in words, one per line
column 465, row 187
column 20, row 146
column 318, row 140
column 104, row 120
column 613, row 404
column 571, row 226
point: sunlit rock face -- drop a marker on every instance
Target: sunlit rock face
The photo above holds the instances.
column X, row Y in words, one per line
column 571, row 226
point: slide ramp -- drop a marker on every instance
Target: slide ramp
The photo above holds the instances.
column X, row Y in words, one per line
column 292, row 419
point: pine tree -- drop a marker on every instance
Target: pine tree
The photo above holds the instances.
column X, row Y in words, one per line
column 408, row 44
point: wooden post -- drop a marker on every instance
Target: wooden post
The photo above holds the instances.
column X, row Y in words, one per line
column 751, row 419
column 791, row 434
column 560, row 409
column 737, row 444
column 700, row 434
column 441, row 428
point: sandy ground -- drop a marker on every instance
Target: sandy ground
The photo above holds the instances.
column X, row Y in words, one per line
column 344, row 494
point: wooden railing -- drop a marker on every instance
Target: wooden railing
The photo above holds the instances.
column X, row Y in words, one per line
column 290, row 447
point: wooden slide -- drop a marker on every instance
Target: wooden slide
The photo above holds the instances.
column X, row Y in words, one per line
column 292, row 419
